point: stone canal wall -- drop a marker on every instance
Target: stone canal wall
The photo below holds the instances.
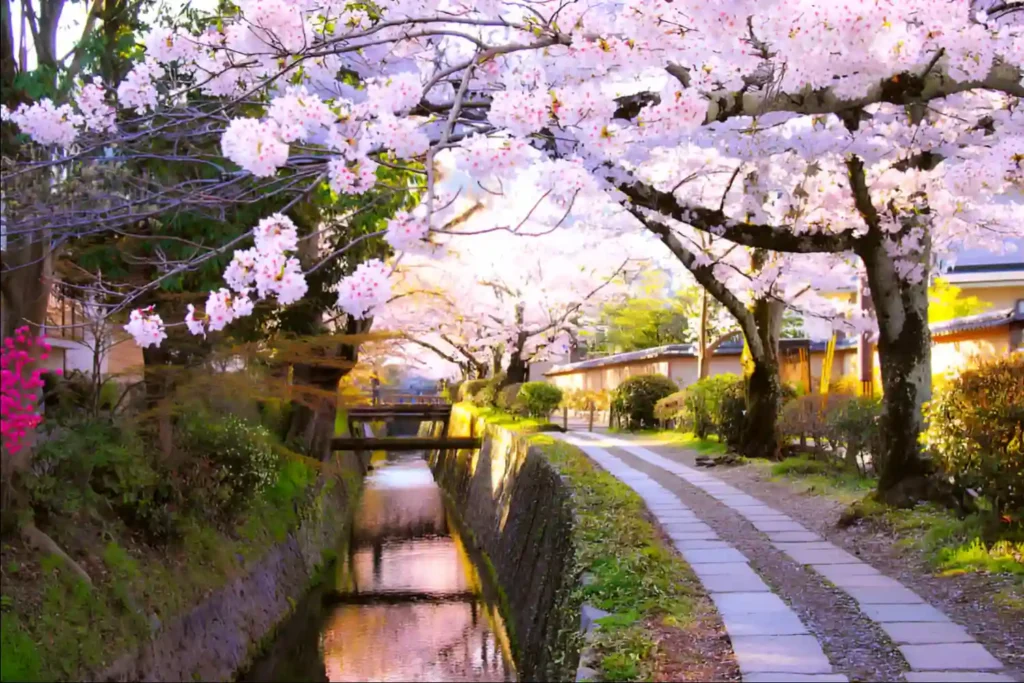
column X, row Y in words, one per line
column 223, row 633
column 519, row 510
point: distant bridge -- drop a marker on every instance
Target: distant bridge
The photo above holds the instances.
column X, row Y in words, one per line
column 408, row 415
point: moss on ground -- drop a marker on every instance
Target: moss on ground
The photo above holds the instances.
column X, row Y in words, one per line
column 634, row 575
column 820, row 477
column 707, row 446
column 54, row 626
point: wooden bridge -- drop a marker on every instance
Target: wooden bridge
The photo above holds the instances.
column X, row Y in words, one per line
column 426, row 409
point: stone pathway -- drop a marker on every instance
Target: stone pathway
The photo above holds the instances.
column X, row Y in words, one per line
column 769, row 639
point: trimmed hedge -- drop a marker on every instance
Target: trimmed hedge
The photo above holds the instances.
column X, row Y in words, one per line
column 539, row 398
column 635, row 398
column 976, row 432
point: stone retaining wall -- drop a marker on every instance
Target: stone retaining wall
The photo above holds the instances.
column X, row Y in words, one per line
column 519, row 510
column 222, row 634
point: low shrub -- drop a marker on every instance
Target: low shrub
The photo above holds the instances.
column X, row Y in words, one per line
column 583, row 399
column 838, row 426
column 230, row 462
column 509, row 401
column 479, row 392
column 95, row 464
column 671, row 407
column 539, row 398
column 732, row 414
column 635, row 398
column 976, row 432
column 703, row 404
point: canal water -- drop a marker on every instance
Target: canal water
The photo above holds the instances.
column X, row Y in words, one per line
column 407, row 600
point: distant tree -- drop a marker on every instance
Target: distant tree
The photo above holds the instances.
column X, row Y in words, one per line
column 947, row 302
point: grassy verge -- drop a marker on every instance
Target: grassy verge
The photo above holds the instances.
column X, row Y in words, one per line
column 635, row 576
column 708, row 446
column 952, row 545
column 55, row 626
column 818, row 477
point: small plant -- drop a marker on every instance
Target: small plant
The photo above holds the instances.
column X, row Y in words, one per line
column 635, row 398
column 509, row 401
column 539, row 398
column 479, row 392
column 976, row 431
column 231, row 462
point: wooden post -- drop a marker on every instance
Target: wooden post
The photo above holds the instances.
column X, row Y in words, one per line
column 565, row 418
column 472, row 426
column 590, row 420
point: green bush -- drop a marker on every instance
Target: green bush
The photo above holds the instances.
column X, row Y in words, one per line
column 841, row 426
column 230, row 462
column 275, row 415
column 976, row 432
column 508, row 400
column 732, row 414
column 635, row 398
column 702, row 407
column 671, row 407
column 479, row 392
column 95, row 461
column 539, row 398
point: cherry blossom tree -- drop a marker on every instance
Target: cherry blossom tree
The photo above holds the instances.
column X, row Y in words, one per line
column 499, row 302
column 884, row 129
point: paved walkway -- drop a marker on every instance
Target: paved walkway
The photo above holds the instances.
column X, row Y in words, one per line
column 769, row 638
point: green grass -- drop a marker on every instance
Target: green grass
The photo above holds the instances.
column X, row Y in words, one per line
column 818, row 477
column 953, row 545
column 634, row 575
column 500, row 418
column 708, row 446
column 63, row 629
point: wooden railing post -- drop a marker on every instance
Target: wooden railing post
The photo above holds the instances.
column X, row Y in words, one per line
column 590, row 418
column 565, row 418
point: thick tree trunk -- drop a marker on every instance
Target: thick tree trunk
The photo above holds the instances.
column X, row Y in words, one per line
column 315, row 402
column 763, row 387
column 518, row 369
column 703, row 359
column 904, row 351
column 156, row 368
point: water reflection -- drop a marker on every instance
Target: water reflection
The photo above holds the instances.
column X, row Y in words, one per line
column 407, row 604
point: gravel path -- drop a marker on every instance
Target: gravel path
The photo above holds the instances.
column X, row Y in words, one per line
column 870, row 626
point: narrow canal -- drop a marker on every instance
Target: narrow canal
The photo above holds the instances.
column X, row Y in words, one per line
column 407, row 600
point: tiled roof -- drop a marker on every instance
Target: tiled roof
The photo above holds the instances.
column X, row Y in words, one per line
column 980, row 321
column 730, row 348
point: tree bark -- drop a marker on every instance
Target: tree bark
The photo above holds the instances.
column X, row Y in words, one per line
column 315, row 407
column 518, row 369
column 904, row 351
column 763, row 388
column 703, row 361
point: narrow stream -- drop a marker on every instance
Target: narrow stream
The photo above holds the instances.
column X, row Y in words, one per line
column 407, row 601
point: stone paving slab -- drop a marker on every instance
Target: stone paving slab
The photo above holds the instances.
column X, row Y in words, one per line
column 839, row 572
column 726, row 583
column 703, row 569
column 923, row 633
column 748, row 603
column 793, row 536
column 949, row 657
column 728, row 555
column 764, row 624
column 885, row 595
column 785, row 546
column 701, row 544
column 955, row 677
column 780, row 654
column 848, row 581
column 772, row 525
column 795, row 678
column 708, row 535
column 685, row 527
column 823, row 556
column 902, row 613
